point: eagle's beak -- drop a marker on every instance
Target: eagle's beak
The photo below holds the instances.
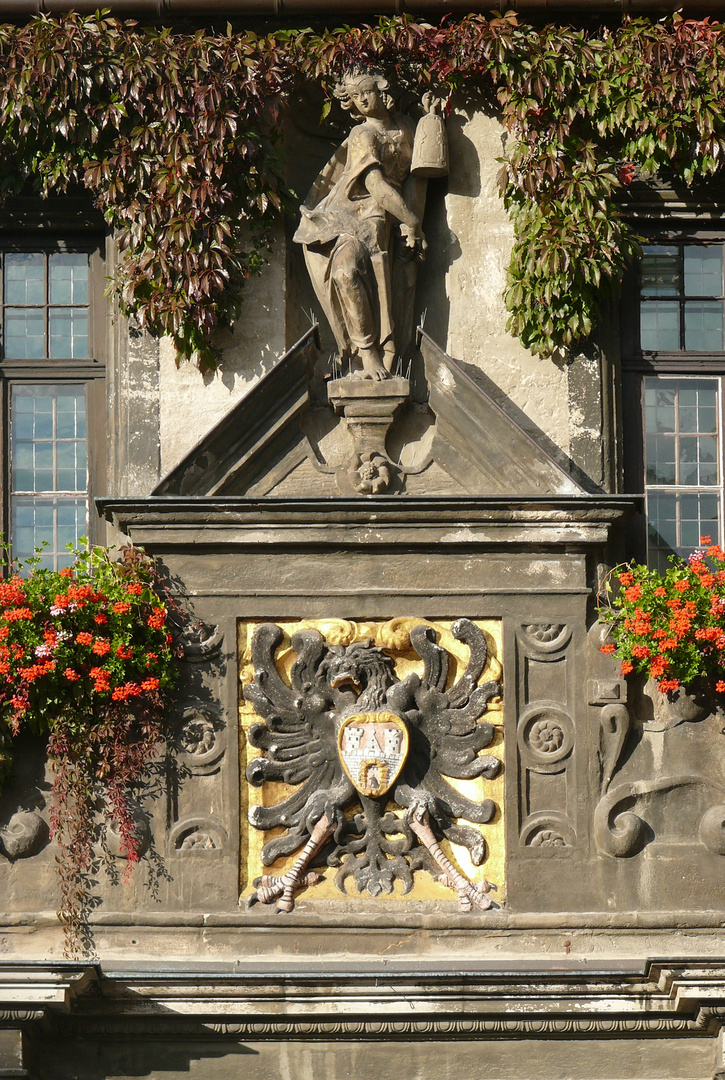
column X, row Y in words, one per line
column 343, row 678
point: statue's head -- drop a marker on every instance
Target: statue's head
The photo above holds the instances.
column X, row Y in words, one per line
column 360, row 83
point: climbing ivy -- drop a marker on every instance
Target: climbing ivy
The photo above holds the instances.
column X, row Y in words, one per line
column 175, row 136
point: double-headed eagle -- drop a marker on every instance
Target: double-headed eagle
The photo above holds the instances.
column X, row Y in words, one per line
column 347, row 730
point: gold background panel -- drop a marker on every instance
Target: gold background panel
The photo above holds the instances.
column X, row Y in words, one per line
column 393, row 636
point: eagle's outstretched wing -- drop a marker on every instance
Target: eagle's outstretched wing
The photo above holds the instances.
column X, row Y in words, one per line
column 298, row 736
column 447, row 735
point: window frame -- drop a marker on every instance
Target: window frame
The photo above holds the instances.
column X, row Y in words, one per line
column 89, row 372
column 637, row 364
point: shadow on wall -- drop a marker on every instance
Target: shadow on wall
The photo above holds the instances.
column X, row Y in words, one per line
column 464, row 179
column 253, row 345
column 519, row 417
column 107, row 1058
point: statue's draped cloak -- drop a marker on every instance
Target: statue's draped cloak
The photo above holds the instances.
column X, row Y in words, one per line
column 347, row 235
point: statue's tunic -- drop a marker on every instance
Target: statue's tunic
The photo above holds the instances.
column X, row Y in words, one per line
column 347, row 235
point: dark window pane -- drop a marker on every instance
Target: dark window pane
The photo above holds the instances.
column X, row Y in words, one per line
column 43, row 459
column 24, row 278
column 687, row 458
column 24, row 334
column 660, row 271
column 68, row 278
column 704, row 326
column 53, row 520
column 676, row 523
column 68, row 333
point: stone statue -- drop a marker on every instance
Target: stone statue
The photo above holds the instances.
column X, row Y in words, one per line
column 361, row 223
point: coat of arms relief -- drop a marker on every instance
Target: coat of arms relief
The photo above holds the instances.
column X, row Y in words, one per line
column 373, row 760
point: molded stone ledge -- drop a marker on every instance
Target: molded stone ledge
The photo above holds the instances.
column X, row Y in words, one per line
column 28, row 989
column 263, row 1000
column 572, row 521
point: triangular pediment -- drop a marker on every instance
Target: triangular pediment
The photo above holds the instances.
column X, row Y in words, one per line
column 481, row 445
column 258, row 431
column 277, row 441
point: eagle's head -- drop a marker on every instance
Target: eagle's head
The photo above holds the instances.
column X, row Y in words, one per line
column 363, row 667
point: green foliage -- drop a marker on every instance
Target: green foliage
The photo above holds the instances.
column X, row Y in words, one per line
column 175, row 135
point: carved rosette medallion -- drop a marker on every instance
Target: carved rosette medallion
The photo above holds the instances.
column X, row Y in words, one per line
column 373, row 748
column 546, row 734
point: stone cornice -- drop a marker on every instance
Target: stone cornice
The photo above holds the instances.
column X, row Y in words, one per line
column 577, row 521
column 321, row 1000
column 30, row 990
column 375, row 1000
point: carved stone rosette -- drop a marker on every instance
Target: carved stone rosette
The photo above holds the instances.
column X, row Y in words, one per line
column 546, row 740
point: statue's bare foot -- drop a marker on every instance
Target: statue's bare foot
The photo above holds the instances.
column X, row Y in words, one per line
column 372, row 367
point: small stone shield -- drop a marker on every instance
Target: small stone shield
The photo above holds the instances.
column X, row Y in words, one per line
column 373, row 748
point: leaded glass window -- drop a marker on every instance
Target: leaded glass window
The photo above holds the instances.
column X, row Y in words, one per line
column 683, row 464
column 45, row 350
column 682, row 298
column 45, row 305
column 49, row 501
column 673, row 368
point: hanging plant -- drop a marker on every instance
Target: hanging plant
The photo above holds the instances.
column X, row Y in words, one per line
column 670, row 626
column 175, row 135
column 86, row 662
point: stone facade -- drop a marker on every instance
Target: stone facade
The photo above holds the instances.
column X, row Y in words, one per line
column 499, row 504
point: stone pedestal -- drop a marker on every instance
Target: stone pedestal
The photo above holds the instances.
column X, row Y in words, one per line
column 369, row 409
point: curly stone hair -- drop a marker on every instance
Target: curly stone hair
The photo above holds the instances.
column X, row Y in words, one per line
column 353, row 75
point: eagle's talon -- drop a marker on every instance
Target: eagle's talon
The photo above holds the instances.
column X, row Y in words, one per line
column 283, row 889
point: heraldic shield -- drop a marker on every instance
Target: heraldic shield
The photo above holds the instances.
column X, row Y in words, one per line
column 373, row 748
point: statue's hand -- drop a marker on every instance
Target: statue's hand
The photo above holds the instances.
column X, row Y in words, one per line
column 413, row 239
column 431, row 104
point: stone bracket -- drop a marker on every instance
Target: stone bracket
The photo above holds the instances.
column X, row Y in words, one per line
column 369, row 409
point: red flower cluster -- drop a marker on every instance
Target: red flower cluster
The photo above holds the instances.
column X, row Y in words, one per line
column 659, row 632
column 15, row 614
column 50, row 646
column 158, row 619
column 129, row 689
column 12, row 593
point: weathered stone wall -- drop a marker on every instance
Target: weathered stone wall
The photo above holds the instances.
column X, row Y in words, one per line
column 459, row 298
column 191, row 403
